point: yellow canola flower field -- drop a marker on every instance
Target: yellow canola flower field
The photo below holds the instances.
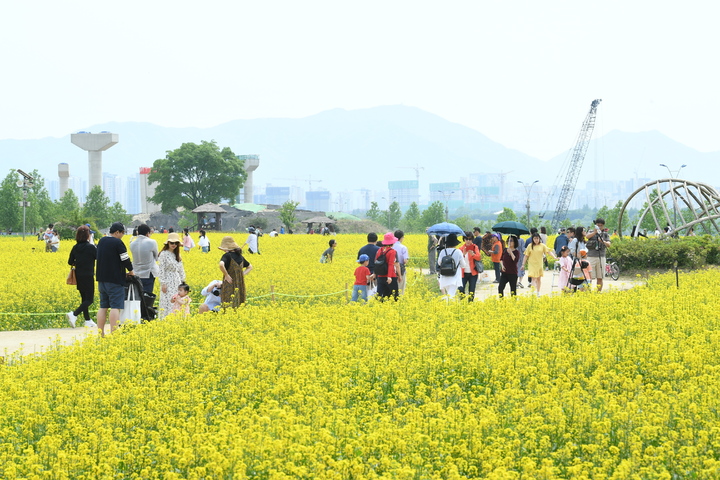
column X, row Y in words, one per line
column 613, row 385
column 35, row 294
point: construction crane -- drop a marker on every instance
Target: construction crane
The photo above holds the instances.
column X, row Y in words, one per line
column 578, row 155
column 417, row 169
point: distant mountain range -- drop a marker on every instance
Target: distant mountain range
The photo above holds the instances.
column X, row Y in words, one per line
column 349, row 150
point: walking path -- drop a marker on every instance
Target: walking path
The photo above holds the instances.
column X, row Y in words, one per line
column 38, row 341
column 486, row 288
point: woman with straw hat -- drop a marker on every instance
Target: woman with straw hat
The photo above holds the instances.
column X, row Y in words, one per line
column 234, row 267
column 172, row 273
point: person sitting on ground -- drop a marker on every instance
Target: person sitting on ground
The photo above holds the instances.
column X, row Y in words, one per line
column 212, row 297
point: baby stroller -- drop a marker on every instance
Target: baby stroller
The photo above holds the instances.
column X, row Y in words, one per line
column 148, row 311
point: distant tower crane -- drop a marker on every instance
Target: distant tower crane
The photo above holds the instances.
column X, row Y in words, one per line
column 578, row 155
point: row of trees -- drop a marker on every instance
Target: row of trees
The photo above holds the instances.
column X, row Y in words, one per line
column 42, row 211
column 415, row 221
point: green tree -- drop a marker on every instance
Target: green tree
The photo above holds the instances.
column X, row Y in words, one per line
column 391, row 217
column 10, row 196
column 193, row 175
column 287, row 214
column 508, row 215
column 68, row 208
column 374, row 213
column 117, row 213
column 97, row 207
column 412, row 220
column 435, row 213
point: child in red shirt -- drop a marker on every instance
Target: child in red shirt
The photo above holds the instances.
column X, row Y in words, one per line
column 362, row 278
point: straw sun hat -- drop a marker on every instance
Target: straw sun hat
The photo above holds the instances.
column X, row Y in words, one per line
column 173, row 237
column 228, row 244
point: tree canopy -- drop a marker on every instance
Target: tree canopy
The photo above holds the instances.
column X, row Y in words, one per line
column 193, row 175
column 287, row 214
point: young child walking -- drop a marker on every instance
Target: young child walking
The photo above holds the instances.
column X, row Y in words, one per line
column 565, row 267
column 362, row 278
column 181, row 300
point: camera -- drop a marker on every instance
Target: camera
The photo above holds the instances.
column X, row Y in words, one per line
column 216, row 292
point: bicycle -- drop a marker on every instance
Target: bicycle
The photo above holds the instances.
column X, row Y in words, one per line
column 612, row 269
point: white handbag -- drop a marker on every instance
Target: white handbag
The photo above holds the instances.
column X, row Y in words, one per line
column 131, row 311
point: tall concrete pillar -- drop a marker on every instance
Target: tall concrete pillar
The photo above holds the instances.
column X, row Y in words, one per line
column 94, row 144
column 252, row 162
column 64, row 175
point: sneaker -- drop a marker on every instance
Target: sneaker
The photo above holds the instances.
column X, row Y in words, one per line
column 71, row 318
column 520, row 285
column 90, row 323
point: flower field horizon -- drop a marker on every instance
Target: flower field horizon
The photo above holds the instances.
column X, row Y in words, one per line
column 622, row 384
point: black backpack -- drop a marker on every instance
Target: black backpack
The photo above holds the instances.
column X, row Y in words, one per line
column 447, row 264
column 381, row 265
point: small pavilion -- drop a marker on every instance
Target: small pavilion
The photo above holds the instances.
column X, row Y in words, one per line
column 209, row 216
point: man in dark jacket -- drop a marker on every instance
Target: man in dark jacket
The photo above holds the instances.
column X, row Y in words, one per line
column 112, row 261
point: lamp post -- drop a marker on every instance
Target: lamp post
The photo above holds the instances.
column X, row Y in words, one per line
column 26, row 183
column 446, row 195
column 677, row 172
column 527, row 188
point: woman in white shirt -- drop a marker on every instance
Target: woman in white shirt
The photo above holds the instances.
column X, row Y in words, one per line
column 450, row 283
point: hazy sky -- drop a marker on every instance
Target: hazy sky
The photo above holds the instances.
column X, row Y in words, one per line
column 521, row 72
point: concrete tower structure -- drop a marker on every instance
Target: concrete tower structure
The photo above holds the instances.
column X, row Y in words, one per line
column 94, row 144
column 147, row 190
column 64, row 174
column 252, row 162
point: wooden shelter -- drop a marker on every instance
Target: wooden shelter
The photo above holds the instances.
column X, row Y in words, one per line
column 322, row 220
column 209, row 216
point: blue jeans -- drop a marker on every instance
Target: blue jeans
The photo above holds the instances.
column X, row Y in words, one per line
column 359, row 291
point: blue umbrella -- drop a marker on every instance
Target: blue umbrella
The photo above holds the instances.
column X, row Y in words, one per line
column 445, row 228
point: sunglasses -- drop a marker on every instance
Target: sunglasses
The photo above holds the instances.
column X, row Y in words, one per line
column 174, row 243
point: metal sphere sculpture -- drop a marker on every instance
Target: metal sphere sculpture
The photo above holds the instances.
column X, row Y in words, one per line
column 681, row 204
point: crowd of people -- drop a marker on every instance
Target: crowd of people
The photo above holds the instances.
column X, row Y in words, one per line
column 381, row 270
column 582, row 257
column 111, row 265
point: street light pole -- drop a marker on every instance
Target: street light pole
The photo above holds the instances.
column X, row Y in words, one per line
column 528, row 189
column 677, row 172
column 446, row 195
column 26, row 183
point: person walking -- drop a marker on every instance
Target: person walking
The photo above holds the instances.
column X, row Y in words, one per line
column 450, row 283
column 234, row 268
column 113, row 261
column 188, row 243
column 204, row 242
column 144, row 256
column 432, row 251
column 252, row 241
column 402, row 258
column 534, row 255
column 172, row 273
column 387, row 277
column 495, row 255
column 509, row 266
column 82, row 259
column 471, row 253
